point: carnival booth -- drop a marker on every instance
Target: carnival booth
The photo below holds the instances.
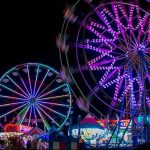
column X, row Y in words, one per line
column 90, row 130
column 34, row 132
column 11, row 138
column 10, row 130
column 32, row 136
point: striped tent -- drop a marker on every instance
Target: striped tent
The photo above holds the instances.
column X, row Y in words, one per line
column 89, row 128
column 36, row 131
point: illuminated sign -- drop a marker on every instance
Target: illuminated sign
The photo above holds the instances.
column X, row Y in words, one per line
column 11, row 128
column 104, row 122
column 24, row 128
column 142, row 119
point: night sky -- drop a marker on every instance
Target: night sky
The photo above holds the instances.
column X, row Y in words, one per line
column 28, row 33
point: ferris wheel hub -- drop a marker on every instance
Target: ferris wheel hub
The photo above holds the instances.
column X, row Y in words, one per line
column 32, row 101
column 134, row 55
column 141, row 47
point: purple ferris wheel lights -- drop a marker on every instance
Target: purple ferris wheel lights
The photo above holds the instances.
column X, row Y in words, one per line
column 115, row 41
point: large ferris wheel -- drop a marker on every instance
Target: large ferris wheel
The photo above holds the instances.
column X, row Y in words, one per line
column 111, row 42
column 34, row 93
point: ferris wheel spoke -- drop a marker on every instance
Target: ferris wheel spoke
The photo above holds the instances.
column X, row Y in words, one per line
column 106, row 22
column 29, row 80
column 117, row 89
column 144, row 39
column 93, row 48
column 35, row 116
column 139, row 20
column 147, row 42
column 131, row 9
column 117, row 18
column 135, row 41
column 13, row 91
column 117, row 22
column 53, row 97
column 48, row 116
column 90, row 27
column 143, row 91
column 31, row 107
column 105, row 78
column 12, row 104
column 109, row 74
column 42, row 82
column 147, row 58
column 17, row 85
column 42, row 117
column 94, row 65
column 94, row 23
column 147, row 50
column 96, row 58
column 143, row 20
column 124, row 38
column 149, row 31
column 98, row 67
column 104, row 62
column 137, row 72
column 51, row 110
column 100, row 36
column 50, row 84
column 138, row 39
column 119, row 56
column 148, row 74
column 35, row 83
column 13, row 110
column 54, row 90
column 23, row 114
column 145, row 35
column 111, row 82
column 104, row 19
column 12, row 97
column 24, row 85
column 124, row 11
column 140, row 32
column 125, row 91
column 120, row 47
column 120, row 25
column 54, row 104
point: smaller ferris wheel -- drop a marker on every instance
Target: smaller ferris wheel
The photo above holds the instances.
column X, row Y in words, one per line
column 35, row 94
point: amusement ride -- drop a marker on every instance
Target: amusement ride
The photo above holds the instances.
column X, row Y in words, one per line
column 111, row 43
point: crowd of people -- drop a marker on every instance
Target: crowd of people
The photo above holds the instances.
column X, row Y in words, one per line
column 23, row 143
